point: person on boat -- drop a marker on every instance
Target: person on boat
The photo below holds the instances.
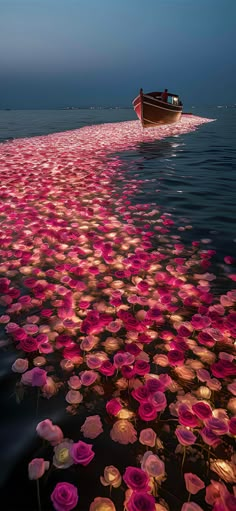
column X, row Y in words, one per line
column 164, row 95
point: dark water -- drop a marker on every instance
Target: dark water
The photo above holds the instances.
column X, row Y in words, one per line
column 191, row 176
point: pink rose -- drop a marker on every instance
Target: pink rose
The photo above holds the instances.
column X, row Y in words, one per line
column 87, row 378
column 20, row 365
column 82, row 453
column 209, row 437
column 107, row 368
column 29, row 344
column 202, row 410
column 64, row 497
column 158, row 400
column 186, row 417
column 50, row 432
column 185, row 436
column 147, row 412
column 39, row 377
column 136, row 479
column 232, row 426
column 113, row 406
column 92, row 427
column 175, row 357
column 147, row 437
column 191, row 506
column 153, row 465
column 37, row 467
column 193, row 483
column 140, row 501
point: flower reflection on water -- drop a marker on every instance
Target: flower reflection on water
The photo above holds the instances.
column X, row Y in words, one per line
column 101, row 294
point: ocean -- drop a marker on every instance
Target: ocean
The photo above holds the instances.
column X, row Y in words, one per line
column 194, row 173
column 112, row 236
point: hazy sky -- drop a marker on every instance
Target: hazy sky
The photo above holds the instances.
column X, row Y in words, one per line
column 55, row 53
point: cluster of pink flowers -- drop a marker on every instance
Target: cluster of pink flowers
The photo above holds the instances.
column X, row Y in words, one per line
column 104, row 292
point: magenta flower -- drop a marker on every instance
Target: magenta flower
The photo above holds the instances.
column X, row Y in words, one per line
column 185, row 436
column 64, row 497
column 82, row 453
column 136, row 479
column 147, row 412
column 209, row 437
column 175, row 357
column 140, row 501
column 202, row 410
column 186, row 417
column 113, row 406
column 39, row 377
column 158, row 400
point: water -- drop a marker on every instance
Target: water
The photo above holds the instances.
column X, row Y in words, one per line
column 189, row 176
column 193, row 174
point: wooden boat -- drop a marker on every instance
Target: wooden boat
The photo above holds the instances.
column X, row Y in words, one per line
column 152, row 110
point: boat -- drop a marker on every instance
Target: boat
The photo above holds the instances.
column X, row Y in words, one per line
column 153, row 110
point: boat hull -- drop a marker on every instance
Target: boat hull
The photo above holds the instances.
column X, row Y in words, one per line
column 153, row 112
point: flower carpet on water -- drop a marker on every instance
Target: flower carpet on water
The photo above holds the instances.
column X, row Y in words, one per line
column 103, row 305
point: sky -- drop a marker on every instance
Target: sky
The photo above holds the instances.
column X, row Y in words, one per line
column 58, row 53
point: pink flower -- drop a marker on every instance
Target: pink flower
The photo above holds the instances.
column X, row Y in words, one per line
column 136, row 479
column 202, row 410
column 214, row 492
column 191, row 506
column 39, row 377
column 185, row 436
column 158, row 400
column 193, row 483
column 47, row 430
column 107, row 368
column 232, row 426
column 64, row 497
column 20, row 365
column 87, row 378
column 92, row 427
column 147, row 412
column 29, row 344
column 140, row 501
column 186, row 417
column 175, row 357
column 153, row 465
column 209, row 437
column 147, row 437
column 113, row 406
column 82, row 453
column 217, row 426
column 37, row 467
